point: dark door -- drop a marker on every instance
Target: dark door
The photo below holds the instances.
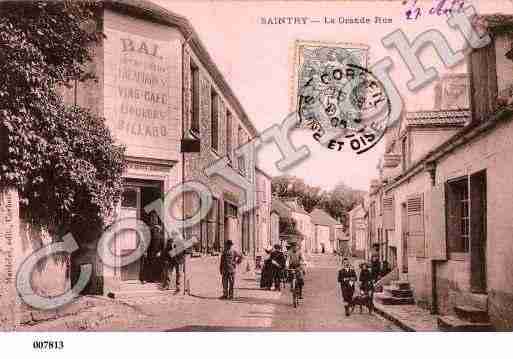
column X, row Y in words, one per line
column 126, row 240
column 404, row 237
column 136, row 196
column 478, row 232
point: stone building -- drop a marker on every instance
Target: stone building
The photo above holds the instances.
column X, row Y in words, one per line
column 157, row 71
column 164, row 98
column 447, row 192
column 303, row 223
column 324, row 227
column 358, row 231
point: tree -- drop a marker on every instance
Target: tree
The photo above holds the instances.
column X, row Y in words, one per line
column 337, row 202
column 288, row 226
column 61, row 158
column 290, row 186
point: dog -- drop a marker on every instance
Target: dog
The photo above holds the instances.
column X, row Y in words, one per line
column 363, row 299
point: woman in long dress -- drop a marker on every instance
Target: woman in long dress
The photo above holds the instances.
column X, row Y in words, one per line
column 266, row 279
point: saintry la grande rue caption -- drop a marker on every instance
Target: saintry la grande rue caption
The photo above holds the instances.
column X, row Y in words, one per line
column 342, row 20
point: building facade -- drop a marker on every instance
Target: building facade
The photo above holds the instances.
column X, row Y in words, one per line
column 160, row 92
column 303, row 223
column 263, row 211
column 358, row 231
column 324, row 229
column 446, row 188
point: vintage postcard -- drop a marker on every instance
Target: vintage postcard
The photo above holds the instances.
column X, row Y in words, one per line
column 240, row 166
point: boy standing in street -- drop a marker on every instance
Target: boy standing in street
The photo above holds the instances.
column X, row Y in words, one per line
column 229, row 261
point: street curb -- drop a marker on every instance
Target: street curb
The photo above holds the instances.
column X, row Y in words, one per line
column 394, row 320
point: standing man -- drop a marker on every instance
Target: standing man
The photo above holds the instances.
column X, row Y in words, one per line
column 375, row 266
column 278, row 266
column 347, row 279
column 172, row 262
column 229, row 261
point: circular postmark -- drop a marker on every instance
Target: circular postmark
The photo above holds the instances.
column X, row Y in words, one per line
column 344, row 104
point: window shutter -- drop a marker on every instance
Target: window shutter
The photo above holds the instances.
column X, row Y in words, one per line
column 388, row 213
column 437, row 240
column 416, row 236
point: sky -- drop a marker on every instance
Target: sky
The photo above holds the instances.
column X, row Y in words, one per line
column 256, row 61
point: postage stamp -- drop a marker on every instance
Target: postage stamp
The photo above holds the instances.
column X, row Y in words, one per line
column 337, row 97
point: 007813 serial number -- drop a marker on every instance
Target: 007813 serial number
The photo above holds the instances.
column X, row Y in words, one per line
column 48, row 344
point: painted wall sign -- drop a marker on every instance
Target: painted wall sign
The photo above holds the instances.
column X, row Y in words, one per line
column 141, row 105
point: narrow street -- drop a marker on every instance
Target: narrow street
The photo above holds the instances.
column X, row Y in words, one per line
column 322, row 308
column 252, row 310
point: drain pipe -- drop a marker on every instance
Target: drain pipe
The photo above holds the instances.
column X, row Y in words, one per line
column 186, row 281
column 431, row 169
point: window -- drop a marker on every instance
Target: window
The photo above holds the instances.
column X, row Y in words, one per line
column 230, row 210
column 195, row 99
column 415, row 226
column 229, row 135
column 404, row 148
column 241, row 159
column 214, row 119
column 212, row 230
column 458, row 215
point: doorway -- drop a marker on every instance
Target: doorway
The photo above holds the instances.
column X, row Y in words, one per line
column 231, row 224
column 478, row 232
column 136, row 195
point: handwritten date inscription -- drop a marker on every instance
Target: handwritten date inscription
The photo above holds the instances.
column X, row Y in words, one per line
column 414, row 10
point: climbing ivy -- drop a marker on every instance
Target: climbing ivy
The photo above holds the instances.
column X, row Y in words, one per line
column 61, row 158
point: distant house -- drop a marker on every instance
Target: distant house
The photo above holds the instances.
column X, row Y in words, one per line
column 341, row 239
column 323, row 231
column 358, row 231
column 303, row 222
column 278, row 210
column 263, row 210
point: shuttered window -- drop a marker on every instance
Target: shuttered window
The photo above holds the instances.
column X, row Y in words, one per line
column 214, row 119
column 388, row 213
column 437, row 240
column 229, row 134
column 195, row 99
column 416, row 235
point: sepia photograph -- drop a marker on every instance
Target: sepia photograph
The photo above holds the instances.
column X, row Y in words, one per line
column 293, row 171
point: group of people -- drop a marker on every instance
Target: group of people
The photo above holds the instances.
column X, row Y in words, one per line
column 274, row 271
column 159, row 262
column 348, row 279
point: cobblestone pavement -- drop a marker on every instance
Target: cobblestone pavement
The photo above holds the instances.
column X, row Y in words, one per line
column 252, row 310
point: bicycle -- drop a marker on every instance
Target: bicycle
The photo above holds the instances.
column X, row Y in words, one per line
column 294, row 288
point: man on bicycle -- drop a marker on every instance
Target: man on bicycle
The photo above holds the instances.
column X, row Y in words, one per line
column 296, row 263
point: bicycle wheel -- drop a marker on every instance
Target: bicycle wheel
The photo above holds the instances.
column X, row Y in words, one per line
column 294, row 292
column 296, row 297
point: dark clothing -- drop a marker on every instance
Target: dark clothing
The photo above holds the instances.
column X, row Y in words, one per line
column 266, row 280
column 278, row 262
column 171, row 262
column 151, row 265
column 228, row 263
column 366, row 279
column 229, row 260
column 346, row 278
column 228, row 283
column 375, row 267
column 167, row 273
